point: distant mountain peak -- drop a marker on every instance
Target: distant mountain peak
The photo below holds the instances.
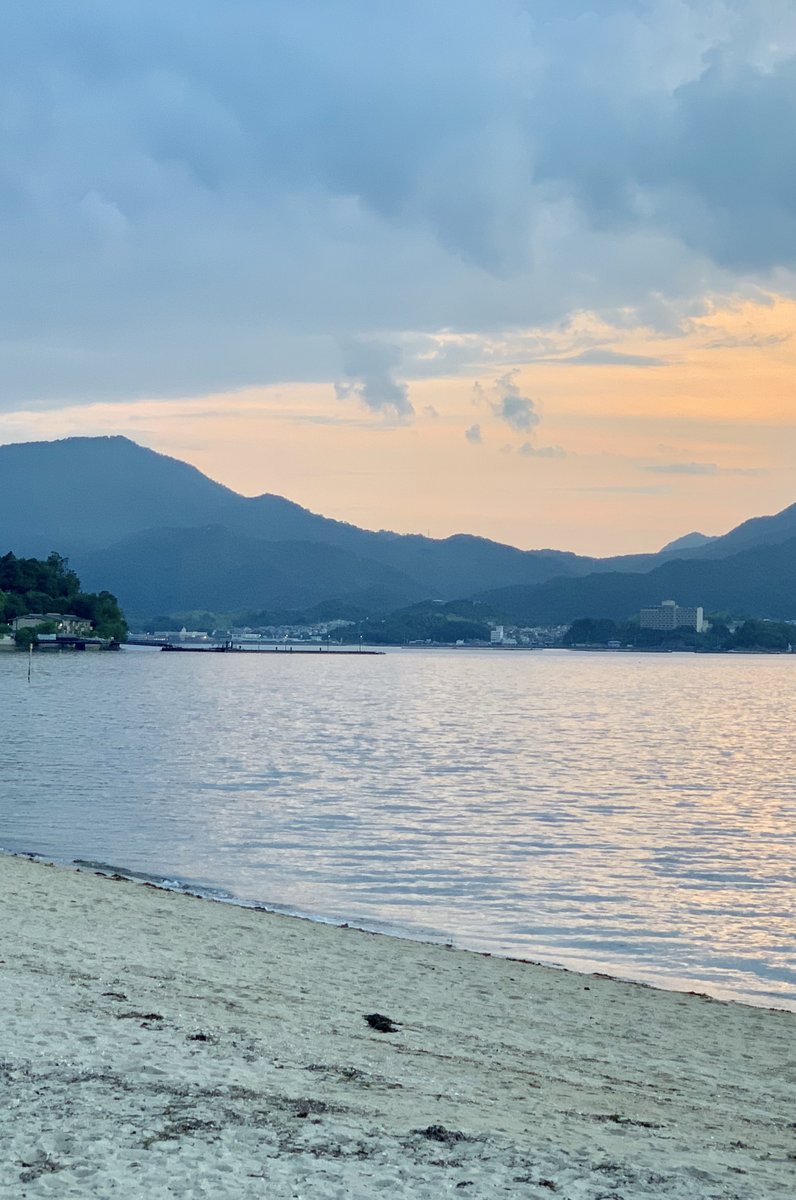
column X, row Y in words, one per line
column 689, row 541
column 161, row 534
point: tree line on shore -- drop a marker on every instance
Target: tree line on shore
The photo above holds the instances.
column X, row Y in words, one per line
column 440, row 624
column 33, row 585
column 749, row 635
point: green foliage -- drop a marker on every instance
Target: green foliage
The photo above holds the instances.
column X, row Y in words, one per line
column 25, row 638
column 35, row 585
column 590, row 631
column 752, row 635
column 51, row 577
column 50, row 585
column 420, row 623
column 102, row 609
column 764, row 635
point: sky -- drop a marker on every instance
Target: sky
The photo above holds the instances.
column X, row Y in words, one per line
column 521, row 269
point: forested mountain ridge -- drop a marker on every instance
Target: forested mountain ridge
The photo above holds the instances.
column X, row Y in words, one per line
column 176, row 570
column 164, row 537
column 92, row 495
column 758, row 582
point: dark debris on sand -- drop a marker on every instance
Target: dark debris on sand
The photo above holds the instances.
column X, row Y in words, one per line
column 380, row 1023
column 438, row 1133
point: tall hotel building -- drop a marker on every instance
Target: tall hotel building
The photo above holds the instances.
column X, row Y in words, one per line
column 669, row 615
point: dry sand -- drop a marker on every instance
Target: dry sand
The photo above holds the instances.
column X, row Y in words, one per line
column 154, row 1045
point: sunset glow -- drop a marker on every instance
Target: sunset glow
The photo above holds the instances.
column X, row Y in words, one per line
column 441, row 274
column 624, row 456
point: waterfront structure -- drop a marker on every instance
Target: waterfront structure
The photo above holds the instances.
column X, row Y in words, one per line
column 670, row 615
column 66, row 624
column 182, row 635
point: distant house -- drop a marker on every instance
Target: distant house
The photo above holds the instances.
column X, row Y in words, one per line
column 31, row 621
column 66, row 624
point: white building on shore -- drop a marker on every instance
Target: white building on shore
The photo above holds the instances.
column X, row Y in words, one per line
column 670, row 615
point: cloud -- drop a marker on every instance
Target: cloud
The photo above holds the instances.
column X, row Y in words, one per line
column 749, row 341
column 530, row 451
column 699, row 468
column 611, row 358
column 684, row 468
column 473, row 435
column 507, row 403
column 518, row 412
column 198, row 197
column 511, row 406
column 625, row 489
column 371, row 370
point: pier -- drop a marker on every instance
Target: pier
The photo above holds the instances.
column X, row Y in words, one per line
column 232, row 648
column 73, row 642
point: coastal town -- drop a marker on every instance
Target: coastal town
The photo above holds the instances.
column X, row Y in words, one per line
column 667, row 626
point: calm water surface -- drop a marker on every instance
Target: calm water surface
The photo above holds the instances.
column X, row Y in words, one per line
column 629, row 814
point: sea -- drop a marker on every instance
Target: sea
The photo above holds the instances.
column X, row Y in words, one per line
column 631, row 814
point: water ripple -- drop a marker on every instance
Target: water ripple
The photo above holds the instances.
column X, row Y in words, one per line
column 632, row 814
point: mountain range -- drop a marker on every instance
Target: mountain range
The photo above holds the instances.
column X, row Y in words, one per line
column 167, row 539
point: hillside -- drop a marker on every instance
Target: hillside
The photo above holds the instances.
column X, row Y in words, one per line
column 89, row 496
column 83, row 493
column 759, row 531
column 759, row 582
column 174, row 570
column 164, row 537
column 689, row 541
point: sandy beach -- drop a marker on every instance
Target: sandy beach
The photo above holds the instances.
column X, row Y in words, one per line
column 155, row 1045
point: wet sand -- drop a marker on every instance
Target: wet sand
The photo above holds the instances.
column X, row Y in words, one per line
column 156, row 1045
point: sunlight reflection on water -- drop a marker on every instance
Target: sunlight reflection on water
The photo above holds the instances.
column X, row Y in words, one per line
column 631, row 814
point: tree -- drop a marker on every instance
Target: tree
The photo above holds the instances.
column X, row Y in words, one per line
column 764, row 635
column 50, row 585
column 591, row 631
column 102, row 609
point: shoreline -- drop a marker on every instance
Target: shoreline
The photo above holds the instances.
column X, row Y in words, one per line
column 425, row 937
column 154, row 1044
column 183, row 887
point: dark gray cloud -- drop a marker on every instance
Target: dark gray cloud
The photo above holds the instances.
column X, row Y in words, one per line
column 370, row 368
column 197, row 196
column 708, row 159
column 518, row 411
